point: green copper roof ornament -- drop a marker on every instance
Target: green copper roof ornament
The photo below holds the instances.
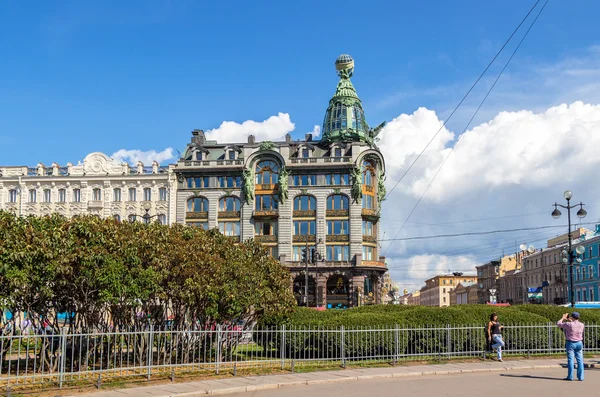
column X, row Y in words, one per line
column 345, row 119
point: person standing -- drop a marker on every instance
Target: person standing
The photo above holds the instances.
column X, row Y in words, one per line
column 573, row 328
column 494, row 334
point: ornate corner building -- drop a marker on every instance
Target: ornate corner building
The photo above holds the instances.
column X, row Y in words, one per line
column 98, row 186
column 323, row 196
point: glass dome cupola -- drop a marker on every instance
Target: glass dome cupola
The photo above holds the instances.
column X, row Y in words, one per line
column 345, row 119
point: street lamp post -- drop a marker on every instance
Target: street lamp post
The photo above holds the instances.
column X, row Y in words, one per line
column 570, row 256
column 146, row 217
column 312, row 258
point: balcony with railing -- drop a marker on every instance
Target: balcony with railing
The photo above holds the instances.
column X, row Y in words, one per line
column 266, row 186
column 370, row 214
column 320, row 160
column 300, row 238
column 197, row 215
column 228, row 214
column 211, row 163
column 266, row 238
column 369, row 239
column 337, row 238
column 304, row 214
column 337, row 213
column 271, row 213
column 95, row 204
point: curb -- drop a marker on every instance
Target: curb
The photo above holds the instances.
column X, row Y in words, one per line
column 292, row 383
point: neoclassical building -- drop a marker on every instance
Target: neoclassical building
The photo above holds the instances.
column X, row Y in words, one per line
column 98, row 186
column 322, row 194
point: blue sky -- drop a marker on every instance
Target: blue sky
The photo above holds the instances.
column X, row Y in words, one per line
column 80, row 76
column 135, row 76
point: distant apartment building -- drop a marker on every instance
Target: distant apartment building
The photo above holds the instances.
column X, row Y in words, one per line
column 410, row 298
column 436, row 291
column 489, row 274
column 464, row 294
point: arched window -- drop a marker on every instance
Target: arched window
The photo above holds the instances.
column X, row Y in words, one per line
column 267, row 173
column 305, row 203
column 117, row 218
column 368, row 170
column 337, row 202
column 162, row 219
column 230, row 203
column 131, row 218
column 197, row 204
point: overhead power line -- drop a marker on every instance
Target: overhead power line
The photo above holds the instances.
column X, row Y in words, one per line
column 482, row 232
column 464, row 97
column 476, row 111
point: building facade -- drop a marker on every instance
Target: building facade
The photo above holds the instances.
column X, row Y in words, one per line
column 464, row 294
column 98, row 186
column 586, row 280
column 488, row 276
column 322, row 195
column 436, row 291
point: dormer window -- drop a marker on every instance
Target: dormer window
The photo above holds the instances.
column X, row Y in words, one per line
column 337, row 152
column 305, row 153
column 231, row 155
column 199, row 156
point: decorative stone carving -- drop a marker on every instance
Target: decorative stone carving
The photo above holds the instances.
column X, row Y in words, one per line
column 356, row 184
column 97, row 163
column 284, row 174
column 267, row 145
column 249, row 184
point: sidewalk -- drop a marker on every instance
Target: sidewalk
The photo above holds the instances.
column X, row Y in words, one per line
column 254, row 383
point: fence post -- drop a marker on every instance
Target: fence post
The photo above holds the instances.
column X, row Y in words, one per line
column 282, row 346
column 63, row 353
column 397, row 344
column 343, row 347
column 150, row 348
column 218, row 358
column 448, row 341
column 550, row 342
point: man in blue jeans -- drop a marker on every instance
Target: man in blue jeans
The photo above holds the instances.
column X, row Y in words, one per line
column 574, row 334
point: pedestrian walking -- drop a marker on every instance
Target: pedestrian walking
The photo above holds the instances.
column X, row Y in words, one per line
column 494, row 334
column 573, row 328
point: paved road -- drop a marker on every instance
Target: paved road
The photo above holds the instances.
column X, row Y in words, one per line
column 546, row 383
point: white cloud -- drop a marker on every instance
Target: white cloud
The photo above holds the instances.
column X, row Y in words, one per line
column 272, row 129
column 515, row 148
column 316, row 132
column 517, row 163
column 146, row 157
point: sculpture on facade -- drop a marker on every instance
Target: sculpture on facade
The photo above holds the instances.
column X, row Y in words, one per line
column 356, row 184
column 267, row 145
column 284, row 174
column 381, row 191
column 249, row 184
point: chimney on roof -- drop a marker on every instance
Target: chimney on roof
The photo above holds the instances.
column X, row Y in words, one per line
column 308, row 137
column 198, row 137
column 288, row 138
column 251, row 139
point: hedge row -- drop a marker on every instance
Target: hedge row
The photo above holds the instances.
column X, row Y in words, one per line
column 405, row 316
column 371, row 331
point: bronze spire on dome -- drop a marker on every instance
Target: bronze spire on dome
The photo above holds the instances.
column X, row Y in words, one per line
column 344, row 119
